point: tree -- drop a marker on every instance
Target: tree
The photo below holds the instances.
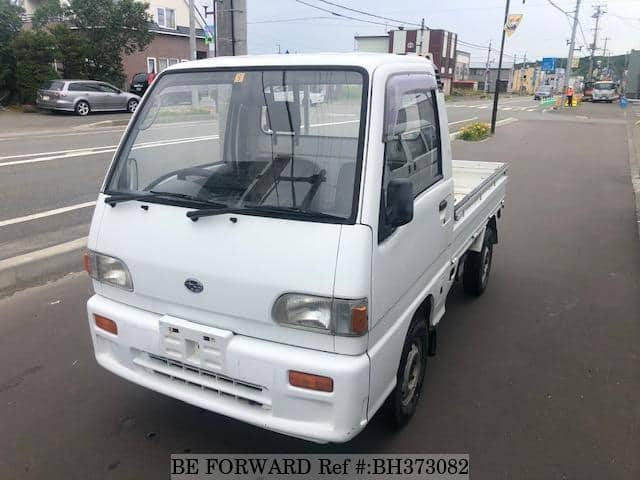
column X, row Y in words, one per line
column 34, row 53
column 10, row 25
column 109, row 30
column 71, row 50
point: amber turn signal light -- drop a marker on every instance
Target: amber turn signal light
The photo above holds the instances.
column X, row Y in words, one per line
column 106, row 324
column 359, row 322
column 86, row 260
column 311, row 382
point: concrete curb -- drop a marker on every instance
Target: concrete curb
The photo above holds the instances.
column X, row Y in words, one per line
column 634, row 166
column 38, row 267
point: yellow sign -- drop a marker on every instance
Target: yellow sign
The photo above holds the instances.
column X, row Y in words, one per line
column 239, row 78
column 575, row 62
column 513, row 21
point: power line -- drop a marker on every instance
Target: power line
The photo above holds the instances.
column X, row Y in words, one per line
column 282, row 20
column 369, row 14
column 341, row 14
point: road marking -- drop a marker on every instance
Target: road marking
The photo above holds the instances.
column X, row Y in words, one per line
column 57, row 152
column 506, row 108
column 331, row 123
column 531, row 109
column 48, row 213
column 462, row 121
column 107, row 149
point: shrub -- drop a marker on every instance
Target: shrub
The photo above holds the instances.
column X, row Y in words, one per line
column 475, row 131
column 34, row 53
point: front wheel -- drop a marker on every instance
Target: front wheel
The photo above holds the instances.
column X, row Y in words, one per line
column 82, row 108
column 132, row 105
column 401, row 404
column 477, row 267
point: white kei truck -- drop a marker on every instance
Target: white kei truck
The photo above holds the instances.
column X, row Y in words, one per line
column 281, row 261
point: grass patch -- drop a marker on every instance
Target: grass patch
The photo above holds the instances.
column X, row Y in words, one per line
column 475, row 131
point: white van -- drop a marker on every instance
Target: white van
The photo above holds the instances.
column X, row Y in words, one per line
column 283, row 265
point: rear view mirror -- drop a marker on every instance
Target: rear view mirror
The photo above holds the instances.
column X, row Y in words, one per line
column 399, row 202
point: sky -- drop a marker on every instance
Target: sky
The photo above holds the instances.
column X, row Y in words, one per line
column 544, row 30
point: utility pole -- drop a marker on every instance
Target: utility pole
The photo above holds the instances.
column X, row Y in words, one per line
column 496, row 94
column 420, row 52
column 192, row 29
column 604, row 50
column 214, row 14
column 599, row 12
column 486, row 71
column 572, row 46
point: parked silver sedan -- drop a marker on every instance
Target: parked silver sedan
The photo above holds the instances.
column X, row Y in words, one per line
column 84, row 96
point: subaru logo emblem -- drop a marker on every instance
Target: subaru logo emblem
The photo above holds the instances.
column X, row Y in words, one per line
column 194, row 285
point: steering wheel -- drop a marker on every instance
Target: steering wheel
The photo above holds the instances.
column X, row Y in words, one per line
column 181, row 174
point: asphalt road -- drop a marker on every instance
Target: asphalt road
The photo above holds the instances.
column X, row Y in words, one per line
column 58, row 161
column 537, row 379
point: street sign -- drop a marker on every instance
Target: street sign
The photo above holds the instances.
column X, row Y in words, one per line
column 548, row 64
column 575, row 62
column 209, row 33
column 545, row 102
column 513, row 21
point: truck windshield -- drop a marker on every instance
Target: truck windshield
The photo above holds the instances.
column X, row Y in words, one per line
column 604, row 86
column 281, row 138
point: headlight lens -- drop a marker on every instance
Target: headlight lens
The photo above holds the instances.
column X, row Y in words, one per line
column 323, row 314
column 109, row 270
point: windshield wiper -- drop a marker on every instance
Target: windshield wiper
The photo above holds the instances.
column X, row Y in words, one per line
column 125, row 197
column 284, row 212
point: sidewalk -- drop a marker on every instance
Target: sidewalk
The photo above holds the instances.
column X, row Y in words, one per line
column 633, row 137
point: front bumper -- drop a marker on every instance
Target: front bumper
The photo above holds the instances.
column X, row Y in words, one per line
column 252, row 383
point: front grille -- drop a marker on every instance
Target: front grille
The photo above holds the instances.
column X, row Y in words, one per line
column 206, row 380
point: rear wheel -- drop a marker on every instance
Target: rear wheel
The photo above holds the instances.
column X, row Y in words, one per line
column 132, row 105
column 82, row 108
column 403, row 400
column 477, row 266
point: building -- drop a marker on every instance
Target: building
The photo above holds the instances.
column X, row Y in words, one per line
column 463, row 61
column 372, row 43
column 632, row 87
column 171, row 40
column 526, row 79
column 437, row 45
column 478, row 73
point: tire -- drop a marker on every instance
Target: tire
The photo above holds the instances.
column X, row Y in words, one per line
column 82, row 108
column 477, row 267
column 132, row 105
column 401, row 404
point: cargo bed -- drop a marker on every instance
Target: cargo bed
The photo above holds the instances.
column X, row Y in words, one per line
column 471, row 180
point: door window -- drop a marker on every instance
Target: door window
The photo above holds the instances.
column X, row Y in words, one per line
column 412, row 137
column 108, row 88
column 412, row 147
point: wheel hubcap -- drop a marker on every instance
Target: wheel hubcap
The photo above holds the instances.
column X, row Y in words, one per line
column 133, row 106
column 411, row 374
column 83, row 108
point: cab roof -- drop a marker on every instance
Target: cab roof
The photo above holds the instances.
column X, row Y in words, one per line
column 368, row 61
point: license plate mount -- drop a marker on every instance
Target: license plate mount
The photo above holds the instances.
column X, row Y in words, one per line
column 194, row 344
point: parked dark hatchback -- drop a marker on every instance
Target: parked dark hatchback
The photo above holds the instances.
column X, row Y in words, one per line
column 139, row 83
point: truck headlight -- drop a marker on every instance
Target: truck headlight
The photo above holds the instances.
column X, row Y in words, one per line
column 109, row 270
column 336, row 316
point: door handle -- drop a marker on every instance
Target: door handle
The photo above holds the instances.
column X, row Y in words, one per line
column 443, row 205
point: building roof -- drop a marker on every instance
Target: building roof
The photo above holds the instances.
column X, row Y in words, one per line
column 370, row 36
column 369, row 61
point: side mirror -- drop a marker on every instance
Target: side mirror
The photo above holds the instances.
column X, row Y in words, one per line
column 399, row 202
